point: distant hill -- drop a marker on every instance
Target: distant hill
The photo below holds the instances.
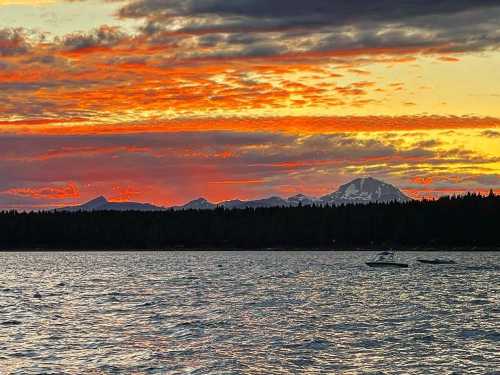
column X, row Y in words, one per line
column 266, row 202
column 197, row 204
column 102, row 204
column 359, row 191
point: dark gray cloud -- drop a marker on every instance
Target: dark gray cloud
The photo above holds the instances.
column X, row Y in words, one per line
column 42, row 59
column 325, row 25
column 331, row 12
column 491, row 133
column 102, row 37
column 492, row 180
column 44, row 156
column 13, row 42
column 32, row 146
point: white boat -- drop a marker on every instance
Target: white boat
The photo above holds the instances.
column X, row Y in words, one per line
column 385, row 259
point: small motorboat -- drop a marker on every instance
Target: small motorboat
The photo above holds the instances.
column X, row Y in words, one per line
column 436, row 261
column 385, row 259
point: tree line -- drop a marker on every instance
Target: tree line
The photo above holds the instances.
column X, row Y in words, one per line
column 469, row 220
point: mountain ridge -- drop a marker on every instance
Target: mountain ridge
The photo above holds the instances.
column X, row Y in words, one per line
column 102, row 204
column 358, row 191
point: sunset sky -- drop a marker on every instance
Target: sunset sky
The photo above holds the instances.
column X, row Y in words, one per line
column 164, row 101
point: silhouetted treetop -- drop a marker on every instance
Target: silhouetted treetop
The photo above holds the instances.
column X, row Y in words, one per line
column 469, row 220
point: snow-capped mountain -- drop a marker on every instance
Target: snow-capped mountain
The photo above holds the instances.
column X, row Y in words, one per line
column 360, row 190
column 235, row 203
column 203, row 204
column 365, row 190
column 197, row 204
column 102, row 204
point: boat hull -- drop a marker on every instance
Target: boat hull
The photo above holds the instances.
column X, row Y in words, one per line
column 427, row 261
column 387, row 265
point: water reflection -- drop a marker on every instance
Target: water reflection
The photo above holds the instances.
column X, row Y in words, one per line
column 245, row 312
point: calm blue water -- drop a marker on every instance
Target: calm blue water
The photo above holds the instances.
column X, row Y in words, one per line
column 247, row 313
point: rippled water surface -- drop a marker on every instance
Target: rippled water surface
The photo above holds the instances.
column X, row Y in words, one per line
column 247, row 313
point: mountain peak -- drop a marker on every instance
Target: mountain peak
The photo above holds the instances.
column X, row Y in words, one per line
column 197, row 204
column 365, row 190
column 201, row 199
column 95, row 203
column 99, row 199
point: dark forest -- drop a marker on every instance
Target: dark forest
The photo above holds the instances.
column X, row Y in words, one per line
column 468, row 221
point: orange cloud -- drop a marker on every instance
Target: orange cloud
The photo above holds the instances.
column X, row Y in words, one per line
column 359, row 71
column 106, row 72
column 350, row 91
column 41, row 121
column 87, row 151
column 422, row 180
column 124, row 193
column 448, row 59
column 49, row 192
column 295, row 125
column 237, row 182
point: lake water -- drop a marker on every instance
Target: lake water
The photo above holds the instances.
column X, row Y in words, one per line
column 247, row 313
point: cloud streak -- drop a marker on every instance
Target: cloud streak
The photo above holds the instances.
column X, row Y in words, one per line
column 287, row 125
column 46, row 192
